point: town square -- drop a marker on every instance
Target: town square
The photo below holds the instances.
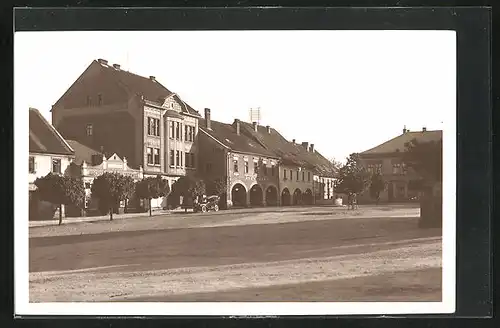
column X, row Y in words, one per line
column 137, row 193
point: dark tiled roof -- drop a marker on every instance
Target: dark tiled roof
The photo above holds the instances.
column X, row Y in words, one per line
column 152, row 90
column 44, row 138
column 226, row 134
column 82, row 152
column 397, row 144
column 290, row 153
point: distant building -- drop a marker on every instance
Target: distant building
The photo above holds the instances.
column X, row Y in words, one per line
column 250, row 170
column 116, row 111
column 48, row 153
column 387, row 158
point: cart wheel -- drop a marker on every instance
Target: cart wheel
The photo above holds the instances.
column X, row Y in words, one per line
column 203, row 209
column 216, row 207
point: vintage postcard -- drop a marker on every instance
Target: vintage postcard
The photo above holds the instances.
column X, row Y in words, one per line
column 235, row 172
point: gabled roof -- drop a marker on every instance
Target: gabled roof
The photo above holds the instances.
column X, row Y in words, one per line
column 397, row 144
column 44, row 138
column 290, row 153
column 151, row 89
column 82, row 152
column 226, row 135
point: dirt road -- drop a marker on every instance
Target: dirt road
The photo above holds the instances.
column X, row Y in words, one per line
column 237, row 261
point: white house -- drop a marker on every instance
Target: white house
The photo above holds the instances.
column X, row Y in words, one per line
column 48, row 151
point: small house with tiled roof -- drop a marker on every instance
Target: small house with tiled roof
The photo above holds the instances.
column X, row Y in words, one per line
column 387, row 159
column 48, row 151
column 116, row 111
column 249, row 169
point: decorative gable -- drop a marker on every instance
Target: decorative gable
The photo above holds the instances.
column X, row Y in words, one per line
column 172, row 104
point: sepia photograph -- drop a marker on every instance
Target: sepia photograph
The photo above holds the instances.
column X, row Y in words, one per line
column 286, row 169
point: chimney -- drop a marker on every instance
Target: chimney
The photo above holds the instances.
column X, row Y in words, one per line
column 268, row 128
column 116, row 66
column 152, row 78
column 305, row 144
column 207, row 119
column 293, row 141
column 255, row 126
column 424, row 129
column 237, row 126
column 311, row 148
column 102, row 61
column 405, row 130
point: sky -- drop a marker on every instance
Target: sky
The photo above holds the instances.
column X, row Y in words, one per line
column 344, row 91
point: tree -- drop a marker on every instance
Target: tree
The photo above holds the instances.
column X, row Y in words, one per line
column 217, row 187
column 61, row 190
column 336, row 164
column 111, row 188
column 425, row 158
column 152, row 187
column 377, row 185
column 352, row 177
column 189, row 187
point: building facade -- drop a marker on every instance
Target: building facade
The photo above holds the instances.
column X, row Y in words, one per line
column 303, row 170
column 249, row 170
column 387, row 159
column 116, row 111
column 48, row 153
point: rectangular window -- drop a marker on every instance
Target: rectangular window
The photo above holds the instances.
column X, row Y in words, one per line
column 193, row 163
column 256, row 167
column 153, row 126
column 177, row 158
column 404, row 168
column 87, row 185
column 208, row 167
column 32, row 164
column 309, row 176
column 172, row 163
column 303, row 176
column 89, row 129
column 177, row 130
column 150, row 155
column 265, row 170
column 157, row 156
column 272, row 170
column 56, row 165
column 284, row 174
column 186, row 131
column 297, row 175
column 291, row 175
column 172, row 129
column 235, row 165
column 89, row 101
column 191, row 131
column 246, row 167
column 396, row 168
column 99, row 99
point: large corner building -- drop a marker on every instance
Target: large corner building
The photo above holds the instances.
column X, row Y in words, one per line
column 115, row 111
